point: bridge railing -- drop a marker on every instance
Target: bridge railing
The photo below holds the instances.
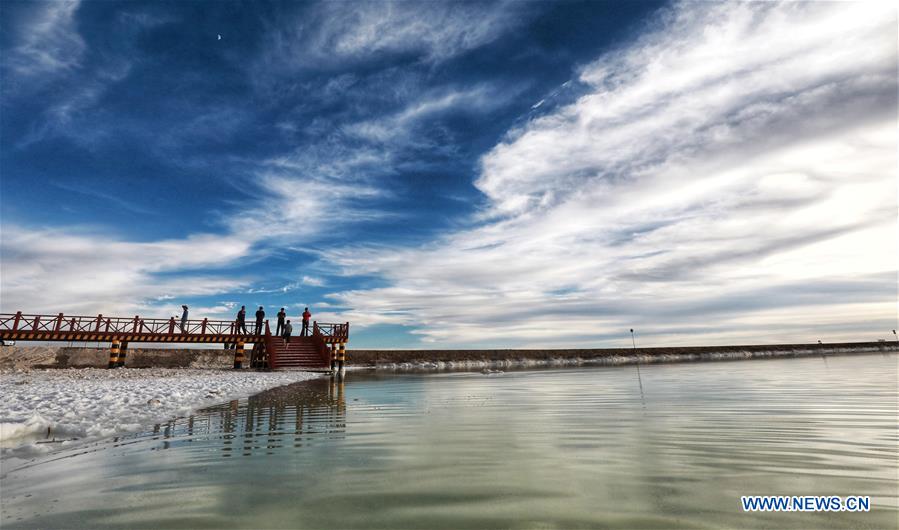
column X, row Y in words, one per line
column 336, row 332
column 99, row 324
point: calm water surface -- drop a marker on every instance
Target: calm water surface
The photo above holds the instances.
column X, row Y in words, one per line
column 668, row 446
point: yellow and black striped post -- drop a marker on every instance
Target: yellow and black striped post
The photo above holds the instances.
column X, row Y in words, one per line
column 123, row 352
column 341, row 357
column 238, row 356
column 333, row 348
column 114, row 354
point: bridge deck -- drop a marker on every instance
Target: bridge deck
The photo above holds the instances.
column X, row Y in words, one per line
column 61, row 327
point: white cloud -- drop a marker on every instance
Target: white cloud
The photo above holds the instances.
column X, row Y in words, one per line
column 729, row 177
column 312, row 281
column 61, row 270
column 76, row 270
column 710, row 81
column 299, row 207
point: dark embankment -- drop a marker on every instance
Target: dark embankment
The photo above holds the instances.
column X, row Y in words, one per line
column 81, row 357
column 536, row 357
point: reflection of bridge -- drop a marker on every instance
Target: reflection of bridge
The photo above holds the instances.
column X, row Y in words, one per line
column 281, row 419
column 324, row 349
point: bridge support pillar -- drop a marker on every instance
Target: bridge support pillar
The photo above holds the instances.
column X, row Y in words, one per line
column 238, row 356
column 332, row 348
column 114, row 354
column 123, row 352
column 341, row 358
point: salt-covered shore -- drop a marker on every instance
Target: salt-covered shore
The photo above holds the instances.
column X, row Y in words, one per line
column 43, row 410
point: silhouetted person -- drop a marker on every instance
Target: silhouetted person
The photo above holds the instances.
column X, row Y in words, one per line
column 260, row 314
column 281, row 316
column 306, row 316
column 288, row 329
column 183, row 318
column 242, row 320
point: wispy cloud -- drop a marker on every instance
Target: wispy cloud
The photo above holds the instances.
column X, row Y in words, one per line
column 48, row 42
column 113, row 200
column 739, row 152
column 404, row 126
column 300, row 207
column 431, row 32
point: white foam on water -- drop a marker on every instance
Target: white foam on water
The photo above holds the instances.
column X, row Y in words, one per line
column 43, row 410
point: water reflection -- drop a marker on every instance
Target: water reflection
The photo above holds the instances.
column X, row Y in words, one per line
column 289, row 416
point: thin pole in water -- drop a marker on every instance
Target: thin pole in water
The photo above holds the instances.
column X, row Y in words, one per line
column 639, row 379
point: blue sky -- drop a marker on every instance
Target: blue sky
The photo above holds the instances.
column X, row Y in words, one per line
column 511, row 174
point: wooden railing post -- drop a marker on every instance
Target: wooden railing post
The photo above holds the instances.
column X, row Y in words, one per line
column 99, row 321
column 15, row 323
column 136, row 323
column 72, row 324
column 58, row 322
column 36, row 323
column 203, row 327
column 108, row 323
column 172, row 325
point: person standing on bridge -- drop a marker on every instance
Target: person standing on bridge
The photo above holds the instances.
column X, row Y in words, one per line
column 260, row 314
column 288, row 329
column 241, row 320
column 183, row 317
column 281, row 316
column 306, row 316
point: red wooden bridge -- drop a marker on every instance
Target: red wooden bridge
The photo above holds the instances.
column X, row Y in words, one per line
column 324, row 349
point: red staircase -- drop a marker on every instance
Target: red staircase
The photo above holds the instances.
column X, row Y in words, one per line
column 300, row 353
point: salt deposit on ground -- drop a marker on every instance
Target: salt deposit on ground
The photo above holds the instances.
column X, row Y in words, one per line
column 67, row 407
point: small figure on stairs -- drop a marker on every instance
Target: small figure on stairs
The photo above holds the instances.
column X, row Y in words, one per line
column 288, row 329
column 306, row 316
